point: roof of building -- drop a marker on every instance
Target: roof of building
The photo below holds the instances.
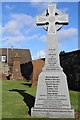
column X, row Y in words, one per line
column 24, row 54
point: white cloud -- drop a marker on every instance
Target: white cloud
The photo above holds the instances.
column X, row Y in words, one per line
column 23, row 18
column 17, row 23
column 64, row 10
column 12, row 27
column 67, row 34
column 40, row 6
column 44, row 6
column 64, row 34
column 8, row 7
column 15, row 31
column 16, row 40
column 42, row 38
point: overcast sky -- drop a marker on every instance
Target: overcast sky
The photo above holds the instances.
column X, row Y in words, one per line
column 20, row 29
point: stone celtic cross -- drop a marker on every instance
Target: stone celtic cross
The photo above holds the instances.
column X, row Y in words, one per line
column 54, row 18
column 52, row 96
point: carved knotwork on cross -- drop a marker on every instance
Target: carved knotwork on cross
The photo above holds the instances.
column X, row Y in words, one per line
column 52, row 20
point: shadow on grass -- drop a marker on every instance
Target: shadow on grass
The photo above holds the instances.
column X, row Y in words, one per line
column 27, row 98
column 30, row 84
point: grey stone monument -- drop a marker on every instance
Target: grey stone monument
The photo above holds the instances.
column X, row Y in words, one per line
column 52, row 96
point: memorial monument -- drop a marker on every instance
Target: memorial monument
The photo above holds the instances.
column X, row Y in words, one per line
column 16, row 73
column 52, row 96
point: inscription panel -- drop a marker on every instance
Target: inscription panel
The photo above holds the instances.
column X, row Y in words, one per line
column 52, row 60
column 53, row 97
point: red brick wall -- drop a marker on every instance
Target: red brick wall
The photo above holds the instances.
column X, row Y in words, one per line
column 37, row 68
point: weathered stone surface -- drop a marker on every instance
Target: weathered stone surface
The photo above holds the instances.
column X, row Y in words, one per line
column 4, row 70
column 16, row 74
column 4, row 76
column 52, row 96
column 37, row 68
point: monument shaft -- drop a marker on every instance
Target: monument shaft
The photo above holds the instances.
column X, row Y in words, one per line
column 52, row 96
column 52, row 62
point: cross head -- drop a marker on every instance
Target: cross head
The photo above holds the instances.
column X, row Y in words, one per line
column 53, row 20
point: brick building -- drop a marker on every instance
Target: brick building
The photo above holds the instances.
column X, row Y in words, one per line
column 7, row 55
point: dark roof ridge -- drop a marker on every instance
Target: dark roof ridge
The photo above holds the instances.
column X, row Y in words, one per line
column 17, row 48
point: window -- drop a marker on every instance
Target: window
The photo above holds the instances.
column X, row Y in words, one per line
column 3, row 58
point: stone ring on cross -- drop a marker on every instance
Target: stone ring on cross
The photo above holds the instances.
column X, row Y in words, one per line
column 52, row 19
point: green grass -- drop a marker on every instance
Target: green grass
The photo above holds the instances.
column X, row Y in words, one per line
column 75, row 100
column 13, row 105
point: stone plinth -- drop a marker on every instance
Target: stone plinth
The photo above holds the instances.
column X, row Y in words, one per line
column 16, row 73
column 53, row 113
column 52, row 97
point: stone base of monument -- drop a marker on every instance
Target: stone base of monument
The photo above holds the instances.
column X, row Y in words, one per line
column 52, row 96
column 52, row 113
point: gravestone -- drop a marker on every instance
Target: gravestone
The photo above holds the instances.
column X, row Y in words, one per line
column 52, row 96
column 16, row 73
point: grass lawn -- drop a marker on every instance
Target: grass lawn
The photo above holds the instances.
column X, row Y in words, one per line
column 18, row 97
